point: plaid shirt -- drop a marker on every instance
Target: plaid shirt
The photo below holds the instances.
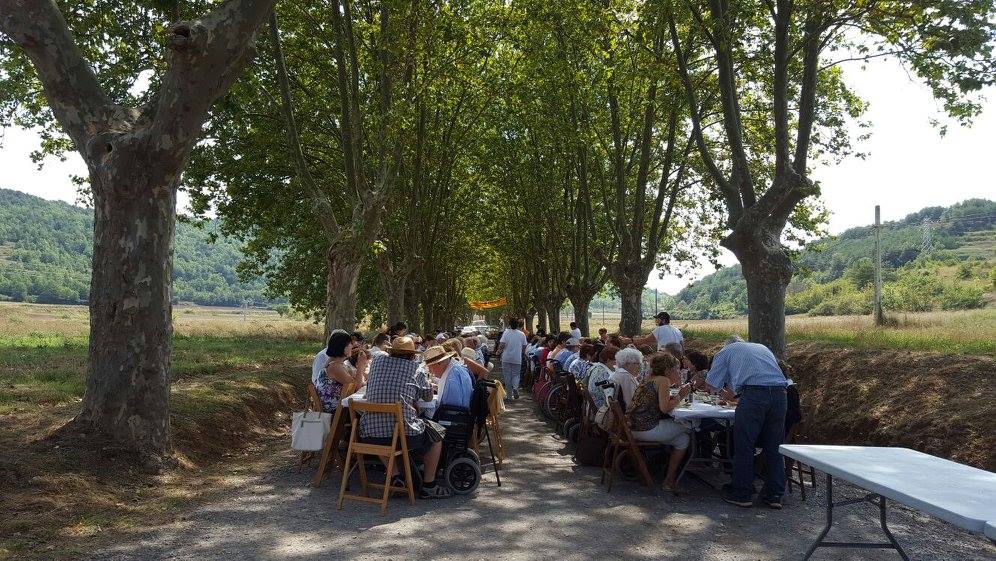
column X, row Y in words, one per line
column 391, row 380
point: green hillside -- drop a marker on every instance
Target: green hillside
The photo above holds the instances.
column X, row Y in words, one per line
column 46, row 246
column 835, row 275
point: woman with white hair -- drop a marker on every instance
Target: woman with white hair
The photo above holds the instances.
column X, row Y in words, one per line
column 628, row 363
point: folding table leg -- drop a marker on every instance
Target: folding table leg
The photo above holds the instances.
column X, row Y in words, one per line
column 826, row 529
column 885, row 529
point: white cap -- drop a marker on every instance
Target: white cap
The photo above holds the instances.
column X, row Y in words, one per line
column 573, row 342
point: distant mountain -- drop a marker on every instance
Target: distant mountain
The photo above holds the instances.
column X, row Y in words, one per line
column 936, row 258
column 46, row 248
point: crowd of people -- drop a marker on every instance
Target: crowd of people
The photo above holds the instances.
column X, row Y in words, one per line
column 400, row 367
column 652, row 374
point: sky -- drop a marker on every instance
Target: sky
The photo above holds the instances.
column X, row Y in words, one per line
column 908, row 165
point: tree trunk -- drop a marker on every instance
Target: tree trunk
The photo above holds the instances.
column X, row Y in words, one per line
column 344, row 266
column 127, row 390
column 395, row 302
column 541, row 318
column 530, row 316
column 632, row 309
column 581, row 306
column 767, row 269
column 411, row 309
column 553, row 316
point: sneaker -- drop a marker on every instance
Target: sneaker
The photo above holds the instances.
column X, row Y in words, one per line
column 437, row 491
column 738, row 502
column 774, row 504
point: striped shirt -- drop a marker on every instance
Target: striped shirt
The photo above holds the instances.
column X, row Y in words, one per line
column 745, row 364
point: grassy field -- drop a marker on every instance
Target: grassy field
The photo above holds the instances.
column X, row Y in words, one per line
column 960, row 332
column 235, row 377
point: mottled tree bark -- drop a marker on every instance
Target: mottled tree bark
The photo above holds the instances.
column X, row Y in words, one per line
column 632, row 309
column 344, row 264
column 135, row 157
column 581, row 307
column 767, row 269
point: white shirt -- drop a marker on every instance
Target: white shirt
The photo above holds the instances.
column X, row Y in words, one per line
column 666, row 334
column 576, row 333
column 319, row 364
column 377, row 351
column 514, row 341
column 626, row 382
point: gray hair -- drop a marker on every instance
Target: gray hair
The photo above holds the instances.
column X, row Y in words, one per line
column 733, row 339
column 628, row 355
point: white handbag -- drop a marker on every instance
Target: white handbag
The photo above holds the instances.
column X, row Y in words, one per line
column 309, row 429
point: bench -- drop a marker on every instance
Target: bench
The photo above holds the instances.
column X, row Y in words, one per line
column 958, row 494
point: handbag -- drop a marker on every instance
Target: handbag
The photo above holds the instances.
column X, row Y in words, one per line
column 309, row 429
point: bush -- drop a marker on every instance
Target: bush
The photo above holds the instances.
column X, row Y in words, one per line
column 962, row 297
column 913, row 291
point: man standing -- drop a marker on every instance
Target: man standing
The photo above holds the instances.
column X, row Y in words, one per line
column 664, row 333
column 750, row 372
column 512, row 346
column 575, row 332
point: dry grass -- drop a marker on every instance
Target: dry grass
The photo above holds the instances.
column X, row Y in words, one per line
column 235, row 378
column 955, row 332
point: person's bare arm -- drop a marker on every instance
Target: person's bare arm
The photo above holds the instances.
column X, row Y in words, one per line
column 664, row 399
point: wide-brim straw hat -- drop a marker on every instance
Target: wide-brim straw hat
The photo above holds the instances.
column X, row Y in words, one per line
column 402, row 346
column 467, row 352
column 432, row 355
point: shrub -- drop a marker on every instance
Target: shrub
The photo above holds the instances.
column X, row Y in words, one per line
column 962, row 297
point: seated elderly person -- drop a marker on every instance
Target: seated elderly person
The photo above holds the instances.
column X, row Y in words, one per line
column 628, row 363
column 600, row 372
column 393, row 379
column 649, row 414
column 456, row 386
column 567, row 355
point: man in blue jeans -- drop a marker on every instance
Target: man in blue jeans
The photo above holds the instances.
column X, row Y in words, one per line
column 751, row 372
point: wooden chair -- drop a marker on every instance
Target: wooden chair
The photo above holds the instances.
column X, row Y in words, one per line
column 796, row 470
column 358, row 451
column 340, row 427
column 621, row 443
column 314, row 404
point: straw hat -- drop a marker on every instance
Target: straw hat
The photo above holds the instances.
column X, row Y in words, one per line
column 467, row 352
column 432, row 355
column 402, row 346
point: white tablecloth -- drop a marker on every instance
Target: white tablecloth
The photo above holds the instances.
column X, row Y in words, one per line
column 425, row 406
column 962, row 495
column 697, row 411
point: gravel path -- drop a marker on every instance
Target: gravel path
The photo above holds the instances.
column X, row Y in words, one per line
column 546, row 508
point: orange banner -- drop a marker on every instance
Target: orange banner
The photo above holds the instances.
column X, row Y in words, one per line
column 488, row 304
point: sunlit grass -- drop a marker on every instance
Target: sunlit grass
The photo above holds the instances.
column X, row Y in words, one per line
column 961, row 332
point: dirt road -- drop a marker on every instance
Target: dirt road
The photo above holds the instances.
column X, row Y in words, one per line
column 547, row 508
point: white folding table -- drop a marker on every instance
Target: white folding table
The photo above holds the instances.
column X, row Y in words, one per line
column 961, row 495
column 694, row 414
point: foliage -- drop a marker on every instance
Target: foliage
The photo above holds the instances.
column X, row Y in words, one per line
column 46, row 247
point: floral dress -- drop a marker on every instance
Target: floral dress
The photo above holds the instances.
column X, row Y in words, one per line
column 330, row 389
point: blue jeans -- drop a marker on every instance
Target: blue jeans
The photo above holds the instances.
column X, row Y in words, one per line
column 759, row 421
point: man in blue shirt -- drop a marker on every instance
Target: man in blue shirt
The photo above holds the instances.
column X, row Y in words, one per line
column 751, row 372
column 456, row 386
column 567, row 355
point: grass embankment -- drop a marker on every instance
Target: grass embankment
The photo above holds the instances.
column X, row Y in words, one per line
column 938, row 404
column 235, row 378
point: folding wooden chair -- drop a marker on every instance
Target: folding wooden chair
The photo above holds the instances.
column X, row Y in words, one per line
column 340, row 426
column 796, row 470
column 358, row 451
column 621, row 443
column 314, row 404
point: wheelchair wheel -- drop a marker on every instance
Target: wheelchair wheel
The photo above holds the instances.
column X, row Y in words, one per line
column 472, row 454
column 551, row 405
column 463, row 475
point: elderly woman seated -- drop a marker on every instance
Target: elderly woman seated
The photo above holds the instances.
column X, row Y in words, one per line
column 649, row 412
column 628, row 363
column 600, row 372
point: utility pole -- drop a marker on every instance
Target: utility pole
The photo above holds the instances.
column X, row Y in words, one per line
column 879, row 317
